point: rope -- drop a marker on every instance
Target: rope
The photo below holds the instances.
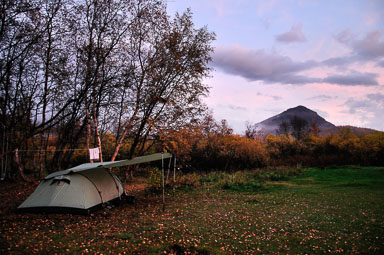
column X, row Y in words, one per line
column 53, row 150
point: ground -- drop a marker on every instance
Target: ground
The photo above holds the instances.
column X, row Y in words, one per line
column 321, row 211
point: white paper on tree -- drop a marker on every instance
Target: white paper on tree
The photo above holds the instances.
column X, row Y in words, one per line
column 94, row 153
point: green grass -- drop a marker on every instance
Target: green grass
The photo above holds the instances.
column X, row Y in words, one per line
column 338, row 210
column 331, row 210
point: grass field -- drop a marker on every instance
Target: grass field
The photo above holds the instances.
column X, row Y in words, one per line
column 338, row 210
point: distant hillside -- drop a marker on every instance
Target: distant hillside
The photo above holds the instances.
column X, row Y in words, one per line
column 271, row 125
column 357, row 130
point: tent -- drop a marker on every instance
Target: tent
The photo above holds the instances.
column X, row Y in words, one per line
column 81, row 189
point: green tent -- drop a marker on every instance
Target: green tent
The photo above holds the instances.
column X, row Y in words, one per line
column 81, row 189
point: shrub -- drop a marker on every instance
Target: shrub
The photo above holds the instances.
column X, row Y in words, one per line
column 239, row 181
column 274, row 176
column 189, row 180
column 155, row 178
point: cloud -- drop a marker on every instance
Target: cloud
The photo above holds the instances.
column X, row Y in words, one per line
column 293, row 35
column 355, row 105
column 222, row 8
column 269, row 67
column 369, row 110
column 322, row 113
column 261, row 65
column 232, row 107
column 266, row 23
column 340, row 61
column 265, row 7
column 322, row 98
column 378, row 97
column 354, row 79
column 371, row 18
column 380, row 63
column 371, row 46
column 344, row 36
column 276, row 98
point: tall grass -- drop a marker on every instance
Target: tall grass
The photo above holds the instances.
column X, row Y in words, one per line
column 243, row 181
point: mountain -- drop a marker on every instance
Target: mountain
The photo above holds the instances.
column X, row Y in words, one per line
column 271, row 125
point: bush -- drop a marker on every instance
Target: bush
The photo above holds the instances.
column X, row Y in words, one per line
column 239, row 181
column 280, row 173
column 189, row 180
column 242, row 181
column 274, row 176
column 155, row 178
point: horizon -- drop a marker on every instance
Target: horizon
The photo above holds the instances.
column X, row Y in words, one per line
column 274, row 55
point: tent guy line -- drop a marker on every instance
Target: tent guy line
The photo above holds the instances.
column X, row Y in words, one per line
column 52, row 150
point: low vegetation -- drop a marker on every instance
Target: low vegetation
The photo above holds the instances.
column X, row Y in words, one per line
column 213, row 147
column 222, row 150
column 330, row 210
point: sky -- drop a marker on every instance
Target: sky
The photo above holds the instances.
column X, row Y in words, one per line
column 271, row 55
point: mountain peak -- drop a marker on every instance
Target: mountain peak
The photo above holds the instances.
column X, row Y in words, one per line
column 299, row 108
column 271, row 125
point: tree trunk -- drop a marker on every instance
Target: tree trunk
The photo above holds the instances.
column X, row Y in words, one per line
column 121, row 139
column 97, row 133
column 23, row 177
column 88, row 132
column 41, row 165
column 118, row 144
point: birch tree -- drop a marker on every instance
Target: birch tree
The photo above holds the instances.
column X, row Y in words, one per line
column 163, row 84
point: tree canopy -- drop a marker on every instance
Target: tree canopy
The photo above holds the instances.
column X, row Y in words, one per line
column 75, row 69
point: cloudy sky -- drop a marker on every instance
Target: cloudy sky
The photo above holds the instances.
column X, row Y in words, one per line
column 271, row 55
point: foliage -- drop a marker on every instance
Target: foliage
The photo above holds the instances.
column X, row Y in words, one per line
column 299, row 127
column 188, row 180
column 211, row 147
column 83, row 71
column 216, row 149
column 155, row 178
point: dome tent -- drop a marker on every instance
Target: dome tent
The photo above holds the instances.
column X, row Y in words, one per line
column 81, row 189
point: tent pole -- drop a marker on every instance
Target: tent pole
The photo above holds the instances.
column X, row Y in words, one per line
column 2, row 159
column 174, row 175
column 162, row 173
